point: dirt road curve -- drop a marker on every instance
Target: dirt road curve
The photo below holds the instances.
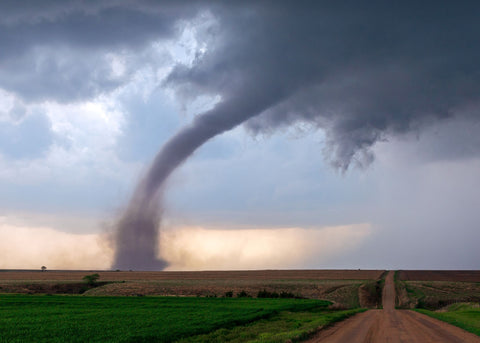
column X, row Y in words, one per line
column 390, row 325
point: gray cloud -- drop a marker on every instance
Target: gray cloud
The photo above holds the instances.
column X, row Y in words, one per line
column 360, row 72
column 58, row 51
column 45, row 74
column 93, row 25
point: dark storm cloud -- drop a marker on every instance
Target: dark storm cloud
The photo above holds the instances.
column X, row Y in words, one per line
column 359, row 71
column 56, row 50
column 101, row 24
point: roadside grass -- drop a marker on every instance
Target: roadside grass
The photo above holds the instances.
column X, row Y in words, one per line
column 285, row 326
column 345, row 295
column 463, row 315
column 433, row 295
column 42, row 318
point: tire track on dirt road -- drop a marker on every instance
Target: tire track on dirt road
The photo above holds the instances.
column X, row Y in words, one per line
column 393, row 326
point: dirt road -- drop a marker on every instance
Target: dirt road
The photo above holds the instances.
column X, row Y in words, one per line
column 390, row 325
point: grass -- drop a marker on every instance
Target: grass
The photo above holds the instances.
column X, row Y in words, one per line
column 432, row 295
column 41, row 318
column 344, row 294
column 463, row 315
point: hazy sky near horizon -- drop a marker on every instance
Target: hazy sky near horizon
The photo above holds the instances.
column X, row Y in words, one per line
column 364, row 150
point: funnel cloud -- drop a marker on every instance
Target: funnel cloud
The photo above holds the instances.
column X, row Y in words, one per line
column 137, row 232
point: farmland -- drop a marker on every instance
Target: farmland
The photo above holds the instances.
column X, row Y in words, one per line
column 439, row 275
column 130, row 306
column 43, row 318
column 236, row 306
column 76, row 275
column 346, row 288
column 433, row 290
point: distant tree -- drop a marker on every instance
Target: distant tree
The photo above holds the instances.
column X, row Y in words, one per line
column 91, row 280
column 243, row 294
column 44, row 269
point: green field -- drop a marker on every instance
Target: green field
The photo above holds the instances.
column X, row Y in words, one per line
column 466, row 316
column 42, row 318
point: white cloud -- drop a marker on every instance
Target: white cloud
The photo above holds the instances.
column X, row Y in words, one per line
column 85, row 135
column 92, row 125
column 7, row 101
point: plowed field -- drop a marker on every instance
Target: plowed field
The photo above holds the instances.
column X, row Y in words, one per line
column 53, row 275
column 439, row 275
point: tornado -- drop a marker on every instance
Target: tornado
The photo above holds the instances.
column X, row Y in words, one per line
column 137, row 230
column 350, row 71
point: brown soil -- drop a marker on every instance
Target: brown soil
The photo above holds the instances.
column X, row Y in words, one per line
column 439, row 275
column 391, row 325
column 44, row 288
column 53, row 275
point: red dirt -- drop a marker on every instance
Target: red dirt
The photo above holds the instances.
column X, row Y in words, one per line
column 391, row 325
column 440, row 275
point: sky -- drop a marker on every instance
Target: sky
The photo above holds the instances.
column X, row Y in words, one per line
column 346, row 135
